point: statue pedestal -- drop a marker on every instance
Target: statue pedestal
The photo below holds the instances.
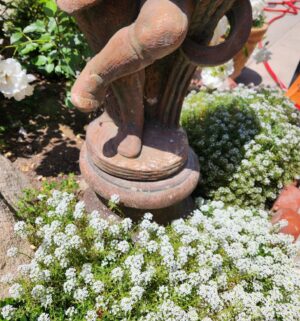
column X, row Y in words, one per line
column 94, row 202
column 165, row 173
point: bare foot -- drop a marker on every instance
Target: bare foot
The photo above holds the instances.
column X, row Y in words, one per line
column 88, row 92
column 131, row 145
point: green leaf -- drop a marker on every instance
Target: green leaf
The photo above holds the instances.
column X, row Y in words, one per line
column 58, row 69
column 52, row 26
column 68, row 71
column 45, row 37
column 47, row 46
column 15, row 37
column 37, row 26
column 29, row 48
column 41, row 60
column 49, row 68
column 50, row 8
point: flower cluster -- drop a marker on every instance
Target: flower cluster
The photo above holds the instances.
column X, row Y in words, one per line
column 247, row 141
column 262, row 54
column 218, row 264
column 258, row 11
column 215, row 77
column 14, row 82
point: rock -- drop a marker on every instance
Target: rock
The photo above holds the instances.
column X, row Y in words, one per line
column 12, row 182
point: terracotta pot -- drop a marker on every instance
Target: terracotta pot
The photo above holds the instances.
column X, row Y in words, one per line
column 293, row 219
column 287, row 207
column 289, row 198
column 241, row 58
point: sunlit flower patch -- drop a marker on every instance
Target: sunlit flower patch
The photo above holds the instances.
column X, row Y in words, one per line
column 247, row 141
column 219, row 264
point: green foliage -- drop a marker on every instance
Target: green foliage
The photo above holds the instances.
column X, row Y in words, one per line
column 247, row 141
column 260, row 22
column 29, row 207
column 45, row 39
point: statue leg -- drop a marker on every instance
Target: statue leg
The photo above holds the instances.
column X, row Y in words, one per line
column 159, row 30
column 129, row 93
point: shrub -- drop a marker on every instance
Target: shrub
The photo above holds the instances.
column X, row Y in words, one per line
column 247, row 141
column 219, row 264
column 44, row 38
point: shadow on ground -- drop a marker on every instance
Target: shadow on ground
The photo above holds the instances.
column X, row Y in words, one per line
column 249, row 76
column 39, row 134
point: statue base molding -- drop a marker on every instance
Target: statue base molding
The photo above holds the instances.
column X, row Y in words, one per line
column 164, row 216
column 143, row 195
column 164, row 152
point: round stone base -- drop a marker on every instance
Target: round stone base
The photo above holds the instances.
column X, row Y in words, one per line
column 164, row 151
column 94, row 202
column 147, row 195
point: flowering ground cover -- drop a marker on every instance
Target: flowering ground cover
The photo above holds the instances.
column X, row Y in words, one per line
column 247, row 141
column 218, row 264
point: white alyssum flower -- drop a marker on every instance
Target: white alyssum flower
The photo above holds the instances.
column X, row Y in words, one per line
column 71, row 312
column 91, row 316
column 20, row 229
column 126, row 224
column 98, row 287
column 123, row 246
column 14, row 82
column 126, row 305
column 7, row 278
column 39, row 221
column 12, row 252
column 257, row 8
column 79, row 210
column 115, row 199
column 117, row 274
column 81, row 294
column 16, row 291
column 8, row 312
column 215, row 77
column 38, row 291
column 44, row 317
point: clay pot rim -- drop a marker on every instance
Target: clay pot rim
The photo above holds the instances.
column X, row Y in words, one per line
column 264, row 29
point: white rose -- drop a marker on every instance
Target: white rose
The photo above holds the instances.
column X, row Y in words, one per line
column 14, row 82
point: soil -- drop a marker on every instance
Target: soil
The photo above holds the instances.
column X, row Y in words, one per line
column 40, row 135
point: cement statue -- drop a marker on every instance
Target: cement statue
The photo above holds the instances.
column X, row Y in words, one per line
column 146, row 52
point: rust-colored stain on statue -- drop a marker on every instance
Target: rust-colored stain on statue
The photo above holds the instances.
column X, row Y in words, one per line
column 145, row 55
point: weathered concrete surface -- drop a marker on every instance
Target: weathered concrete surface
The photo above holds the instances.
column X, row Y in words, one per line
column 12, row 182
column 283, row 41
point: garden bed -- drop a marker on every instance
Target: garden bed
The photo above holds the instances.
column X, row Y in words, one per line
column 40, row 135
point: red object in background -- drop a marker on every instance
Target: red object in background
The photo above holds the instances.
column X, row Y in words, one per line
column 287, row 208
column 289, row 198
column 293, row 219
column 283, row 8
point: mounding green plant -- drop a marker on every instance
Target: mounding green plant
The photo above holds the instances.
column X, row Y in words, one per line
column 219, row 264
column 247, row 141
column 43, row 38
